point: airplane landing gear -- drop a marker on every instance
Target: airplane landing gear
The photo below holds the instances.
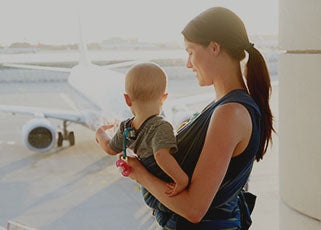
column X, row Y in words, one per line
column 71, row 138
column 65, row 135
column 60, row 139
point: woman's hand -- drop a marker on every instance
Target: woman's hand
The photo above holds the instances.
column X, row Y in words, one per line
column 137, row 169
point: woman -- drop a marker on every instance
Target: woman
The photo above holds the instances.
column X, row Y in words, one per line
column 233, row 131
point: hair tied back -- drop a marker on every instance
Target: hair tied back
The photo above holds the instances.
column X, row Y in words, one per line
column 249, row 46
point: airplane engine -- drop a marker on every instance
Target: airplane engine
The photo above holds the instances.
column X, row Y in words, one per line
column 39, row 135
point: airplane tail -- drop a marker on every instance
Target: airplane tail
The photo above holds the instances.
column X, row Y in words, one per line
column 82, row 46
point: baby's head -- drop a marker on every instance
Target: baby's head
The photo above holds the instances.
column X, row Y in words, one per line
column 145, row 82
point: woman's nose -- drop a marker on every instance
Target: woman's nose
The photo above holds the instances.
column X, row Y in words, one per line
column 188, row 63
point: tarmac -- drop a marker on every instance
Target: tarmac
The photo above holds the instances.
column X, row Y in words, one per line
column 79, row 187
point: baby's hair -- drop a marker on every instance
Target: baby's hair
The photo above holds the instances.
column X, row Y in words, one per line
column 145, row 82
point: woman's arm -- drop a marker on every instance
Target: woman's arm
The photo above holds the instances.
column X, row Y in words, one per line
column 227, row 130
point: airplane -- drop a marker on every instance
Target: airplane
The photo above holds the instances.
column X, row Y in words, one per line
column 100, row 85
column 103, row 87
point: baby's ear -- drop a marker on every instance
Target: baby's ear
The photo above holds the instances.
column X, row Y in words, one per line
column 127, row 100
column 164, row 97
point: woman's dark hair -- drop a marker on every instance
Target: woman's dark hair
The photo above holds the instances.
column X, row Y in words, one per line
column 227, row 29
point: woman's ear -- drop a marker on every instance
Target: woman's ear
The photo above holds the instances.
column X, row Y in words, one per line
column 127, row 100
column 215, row 48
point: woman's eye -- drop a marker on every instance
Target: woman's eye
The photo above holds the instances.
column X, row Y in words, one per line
column 189, row 52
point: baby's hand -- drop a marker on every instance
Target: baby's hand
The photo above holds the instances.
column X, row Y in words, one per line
column 102, row 131
column 175, row 188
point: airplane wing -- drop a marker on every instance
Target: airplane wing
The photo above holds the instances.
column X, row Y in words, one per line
column 182, row 109
column 34, row 67
column 45, row 113
column 39, row 133
column 66, row 70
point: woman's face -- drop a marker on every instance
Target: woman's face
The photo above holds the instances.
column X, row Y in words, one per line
column 200, row 61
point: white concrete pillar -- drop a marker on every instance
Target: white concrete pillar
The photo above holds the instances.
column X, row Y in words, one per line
column 300, row 114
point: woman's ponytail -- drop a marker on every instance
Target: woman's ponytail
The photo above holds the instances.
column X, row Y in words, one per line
column 259, row 86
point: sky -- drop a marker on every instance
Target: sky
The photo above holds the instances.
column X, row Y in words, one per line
column 56, row 21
